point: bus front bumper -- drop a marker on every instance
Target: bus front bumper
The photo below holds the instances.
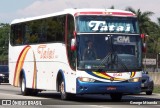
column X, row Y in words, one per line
column 108, row 87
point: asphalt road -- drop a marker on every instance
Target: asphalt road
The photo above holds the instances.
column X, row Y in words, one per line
column 52, row 99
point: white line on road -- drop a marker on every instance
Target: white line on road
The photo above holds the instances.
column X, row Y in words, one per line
column 14, row 96
column 99, row 106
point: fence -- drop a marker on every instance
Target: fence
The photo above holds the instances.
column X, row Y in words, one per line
column 156, row 77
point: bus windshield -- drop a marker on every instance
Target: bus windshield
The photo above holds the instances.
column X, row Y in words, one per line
column 106, row 24
column 109, row 52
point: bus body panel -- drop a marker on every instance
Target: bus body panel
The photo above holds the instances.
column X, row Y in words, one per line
column 108, row 87
column 41, row 64
column 104, row 84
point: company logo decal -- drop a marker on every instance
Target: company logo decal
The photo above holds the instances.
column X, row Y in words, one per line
column 46, row 53
column 104, row 26
column 132, row 74
column 19, row 66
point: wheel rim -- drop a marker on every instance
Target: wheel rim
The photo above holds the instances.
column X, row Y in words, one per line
column 62, row 88
column 23, row 85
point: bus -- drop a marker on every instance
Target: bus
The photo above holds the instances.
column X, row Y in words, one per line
column 48, row 53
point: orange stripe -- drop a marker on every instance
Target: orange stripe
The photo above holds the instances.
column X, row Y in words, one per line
column 19, row 65
column 34, row 73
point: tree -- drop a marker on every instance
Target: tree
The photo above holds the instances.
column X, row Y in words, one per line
column 143, row 19
column 154, row 37
column 112, row 7
column 4, row 38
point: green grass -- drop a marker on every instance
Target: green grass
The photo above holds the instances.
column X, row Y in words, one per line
column 156, row 89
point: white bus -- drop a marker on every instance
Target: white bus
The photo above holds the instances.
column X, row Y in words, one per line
column 77, row 51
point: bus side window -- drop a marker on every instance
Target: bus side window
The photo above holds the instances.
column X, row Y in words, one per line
column 18, row 34
column 71, row 54
column 19, row 38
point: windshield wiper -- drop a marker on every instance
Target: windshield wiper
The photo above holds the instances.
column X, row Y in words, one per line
column 105, row 60
column 111, row 61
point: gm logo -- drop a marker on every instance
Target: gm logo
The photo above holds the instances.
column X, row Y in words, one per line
column 123, row 39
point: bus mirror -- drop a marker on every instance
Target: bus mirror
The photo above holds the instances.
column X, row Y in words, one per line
column 143, row 36
column 73, row 44
column 74, row 34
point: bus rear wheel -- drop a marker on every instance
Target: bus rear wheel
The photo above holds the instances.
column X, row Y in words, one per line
column 27, row 91
column 24, row 90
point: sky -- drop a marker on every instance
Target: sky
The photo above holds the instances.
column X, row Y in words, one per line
column 15, row 9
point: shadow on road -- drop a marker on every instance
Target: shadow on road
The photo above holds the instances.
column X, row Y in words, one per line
column 102, row 99
column 4, row 84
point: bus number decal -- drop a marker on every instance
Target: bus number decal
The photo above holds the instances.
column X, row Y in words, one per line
column 117, row 74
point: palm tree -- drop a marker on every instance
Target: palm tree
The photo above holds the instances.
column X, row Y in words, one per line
column 143, row 19
column 153, row 40
column 158, row 21
column 155, row 35
column 112, row 7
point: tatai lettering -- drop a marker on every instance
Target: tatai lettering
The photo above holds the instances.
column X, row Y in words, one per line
column 46, row 53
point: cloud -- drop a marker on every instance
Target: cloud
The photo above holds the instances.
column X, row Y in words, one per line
column 45, row 7
column 41, row 7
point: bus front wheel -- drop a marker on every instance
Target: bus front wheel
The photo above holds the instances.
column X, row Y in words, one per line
column 64, row 94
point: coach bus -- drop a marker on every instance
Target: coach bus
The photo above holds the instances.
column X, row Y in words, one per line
column 76, row 52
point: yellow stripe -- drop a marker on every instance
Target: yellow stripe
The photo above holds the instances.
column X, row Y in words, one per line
column 101, row 75
column 107, row 77
column 132, row 74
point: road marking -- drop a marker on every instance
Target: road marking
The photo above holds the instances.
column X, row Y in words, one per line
column 12, row 96
column 100, row 106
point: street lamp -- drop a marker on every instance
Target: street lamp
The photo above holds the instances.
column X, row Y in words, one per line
column 157, row 60
column 145, row 41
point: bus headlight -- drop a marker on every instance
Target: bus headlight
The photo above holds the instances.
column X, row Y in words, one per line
column 2, row 75
column 85, row 79
column 135, row 80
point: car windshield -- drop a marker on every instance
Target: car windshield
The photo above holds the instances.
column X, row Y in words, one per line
column 3, row 68
column 109, row 52
column 106, row 24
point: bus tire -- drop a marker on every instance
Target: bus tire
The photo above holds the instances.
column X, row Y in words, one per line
column 116, row 97
column 64, row 94
column 148, row 92
column 33, row 92
column 24, row 90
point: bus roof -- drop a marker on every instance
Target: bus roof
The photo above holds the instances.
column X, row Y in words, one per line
column 77, row 12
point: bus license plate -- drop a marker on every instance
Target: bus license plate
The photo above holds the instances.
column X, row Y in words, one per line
column 111, row 88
